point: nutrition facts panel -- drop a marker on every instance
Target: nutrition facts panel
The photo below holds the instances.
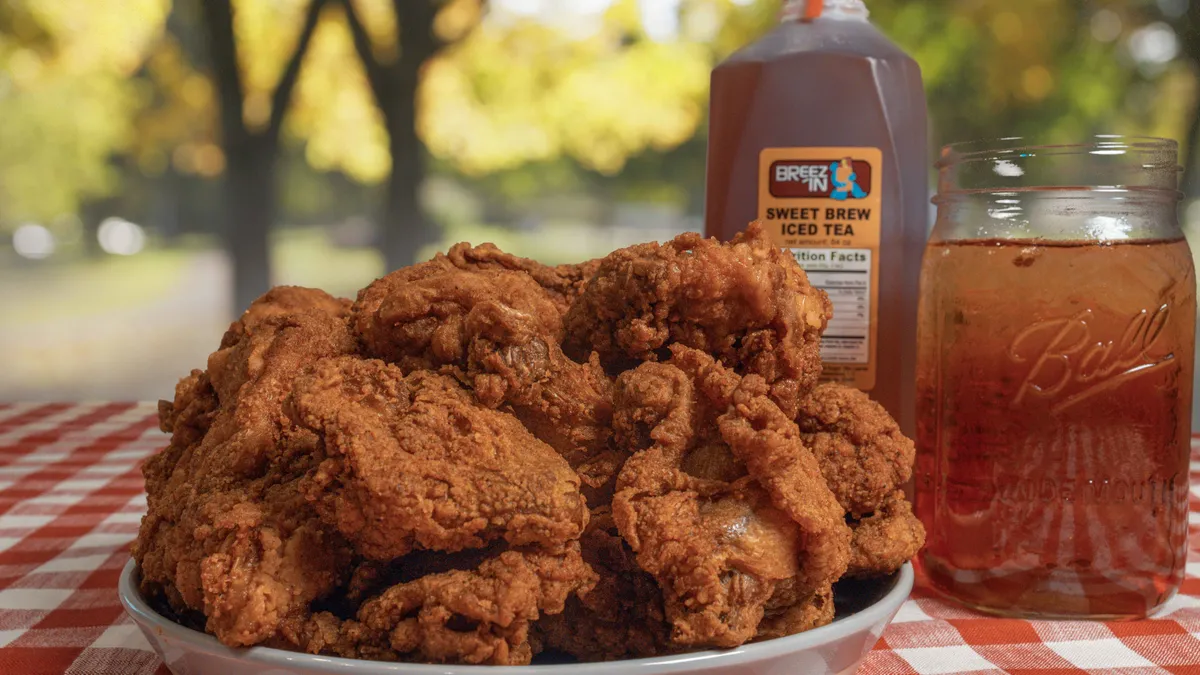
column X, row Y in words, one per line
column 845, row 274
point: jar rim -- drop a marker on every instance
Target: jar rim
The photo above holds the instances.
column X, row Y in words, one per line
column 1161, row 151
column 1029, row 163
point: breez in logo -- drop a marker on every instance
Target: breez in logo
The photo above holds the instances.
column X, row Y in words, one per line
column 839, row 179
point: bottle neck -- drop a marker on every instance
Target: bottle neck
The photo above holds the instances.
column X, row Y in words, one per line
column 808, row 10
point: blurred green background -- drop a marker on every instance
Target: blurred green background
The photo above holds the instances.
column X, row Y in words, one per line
column 162, row 162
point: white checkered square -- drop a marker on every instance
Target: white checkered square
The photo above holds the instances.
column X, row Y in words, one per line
column 56, row 499
column 7, row 636
column 941, row 660
column 1110, row 653
column 126, row 636
column 43, row 457
column 911, row 611
column 83, row 563
column 33, row 598
column 81, row 485
column 47, row 423
column 109, row 540
column 124, row 518
column 19, row 521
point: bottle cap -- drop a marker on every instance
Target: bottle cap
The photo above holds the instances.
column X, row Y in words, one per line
column 808, row 10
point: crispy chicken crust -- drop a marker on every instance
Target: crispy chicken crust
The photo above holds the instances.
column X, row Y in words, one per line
column 747, row 303
column 862, row 453
column 483, row 457
column 718, row 548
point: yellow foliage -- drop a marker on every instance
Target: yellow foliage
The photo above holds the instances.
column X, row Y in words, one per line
column 457, row 19
column 650, row 95
column 66, row 100
column 511, row 90
column 484, row 105
column 507, row 94
column 266, row 33
column 100, row 36
column 180, row 115
column 525, row 91
column 334, row 110
column 380, row 21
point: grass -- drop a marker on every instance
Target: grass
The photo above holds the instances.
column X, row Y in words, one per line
column 552, row 244
column 40, row 292
column 304, row 257
column 33, row 293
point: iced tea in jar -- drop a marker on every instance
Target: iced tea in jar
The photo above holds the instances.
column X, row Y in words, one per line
column 1054, row 378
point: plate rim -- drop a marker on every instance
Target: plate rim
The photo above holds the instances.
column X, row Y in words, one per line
column 880, row 612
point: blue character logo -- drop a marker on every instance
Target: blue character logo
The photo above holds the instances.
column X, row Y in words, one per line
column 845, row 185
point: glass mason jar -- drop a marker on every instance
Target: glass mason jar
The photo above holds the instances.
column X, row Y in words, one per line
column 1054, row 378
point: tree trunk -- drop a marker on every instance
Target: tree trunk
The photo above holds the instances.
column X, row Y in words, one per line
column 404, row 225
column 1188, row 29
column 249, row 187
column 250, row 207
column 1190, row 186
column 93, row 213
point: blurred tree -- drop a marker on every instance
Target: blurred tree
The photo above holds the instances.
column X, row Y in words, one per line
column 1187, row 24
column 418, row 32
column 66, row 101
column 532, row 99
column 515, row 104
column 250, row 136
column 1059, row 70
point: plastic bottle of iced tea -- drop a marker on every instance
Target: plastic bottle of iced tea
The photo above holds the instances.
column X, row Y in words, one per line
column 819, row 130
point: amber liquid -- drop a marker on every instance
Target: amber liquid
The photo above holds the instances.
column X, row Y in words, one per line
column 832, row 83
column 1054, row 395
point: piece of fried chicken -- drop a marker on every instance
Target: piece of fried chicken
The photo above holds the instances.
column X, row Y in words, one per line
column 622, row 615
column 865, row 460
column 292, row 458
column 723, row 503
column 564, row 283
column 416, row 470
column 481, row 615
column 416, row 463
column 227, row 532
column 862, row 453
column 745, row 302
column 886, row 539
column 498, row 332
column 405, row 478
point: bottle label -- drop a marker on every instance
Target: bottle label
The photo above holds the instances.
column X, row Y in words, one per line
column 822, row 205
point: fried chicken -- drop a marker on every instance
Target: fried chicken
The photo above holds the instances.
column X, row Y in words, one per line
column 480, row 616
column 865, row 460
column 621, row 616
column 886, row 539
column 564, row 283
column 747, row 303
column 289, row 300
column 789, row 612
column 291, row 456
column 414, row 462
column 227, row 531
column 862, row 453
column 484, row 457
column 416, row 317
column 499, row 333
column 718, row 548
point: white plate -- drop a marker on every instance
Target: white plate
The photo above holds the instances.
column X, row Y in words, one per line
column 837, row 648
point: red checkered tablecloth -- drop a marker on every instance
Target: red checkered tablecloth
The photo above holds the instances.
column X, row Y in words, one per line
column 71, row 498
